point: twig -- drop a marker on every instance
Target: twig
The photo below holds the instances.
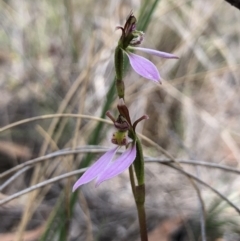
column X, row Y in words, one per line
column 12, row 178
column 101, row 150
column 49, row 156
column 206, row 185
column 42, row 184
column 69, row 174
column 197, row 163
column 43, row 117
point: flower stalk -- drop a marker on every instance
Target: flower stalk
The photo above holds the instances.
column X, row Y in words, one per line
column 139, row 191
column 140, row 200
column 107, row 166
column 139, row 163
column 118, row 58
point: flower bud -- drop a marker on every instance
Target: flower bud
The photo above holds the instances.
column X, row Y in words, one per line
column 130, row 36
column 130, row 24
column 123, row 110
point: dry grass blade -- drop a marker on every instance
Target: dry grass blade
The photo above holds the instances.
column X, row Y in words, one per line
column 43, row 117
column 208, row 186
column 42, row 184
column 47, row 157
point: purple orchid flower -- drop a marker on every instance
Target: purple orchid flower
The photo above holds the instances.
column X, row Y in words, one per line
column 131, row 38
column 143, row 66
column 105, row 168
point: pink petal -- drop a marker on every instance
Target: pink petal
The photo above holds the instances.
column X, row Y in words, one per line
column 119, row 165
column 96, row 169
column 157, row 53
column 144, row 67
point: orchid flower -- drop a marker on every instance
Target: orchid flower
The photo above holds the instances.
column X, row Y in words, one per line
column 106, row 167
column 129, row 40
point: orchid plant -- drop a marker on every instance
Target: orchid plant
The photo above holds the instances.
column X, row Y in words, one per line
column 106, row 167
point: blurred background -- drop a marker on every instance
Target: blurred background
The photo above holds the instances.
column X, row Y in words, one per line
column 57, row 57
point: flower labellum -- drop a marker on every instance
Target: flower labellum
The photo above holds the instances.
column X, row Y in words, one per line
column 105, row 168
column 143, row 66
column 119, row 165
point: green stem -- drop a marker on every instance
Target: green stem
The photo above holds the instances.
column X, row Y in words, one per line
column 140, row 200
column 139, row 196
column 118, row 61
column 139, row 163
column 119, row 71
column 139, row 190
column 132, row 181
column 120, row 88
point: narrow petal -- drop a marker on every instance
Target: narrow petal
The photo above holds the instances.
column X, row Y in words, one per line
column 119, row 165
column 144, row 67
column 157, row 53
column 96, row 169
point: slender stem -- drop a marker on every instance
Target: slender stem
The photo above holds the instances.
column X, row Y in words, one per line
column 120, row 88
column 142, row 222
column 139, row 196
column 140, row 191
column 140, row 199
column 132, row 181
column 118, row 61
column 139, row 163
column 119, row 72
